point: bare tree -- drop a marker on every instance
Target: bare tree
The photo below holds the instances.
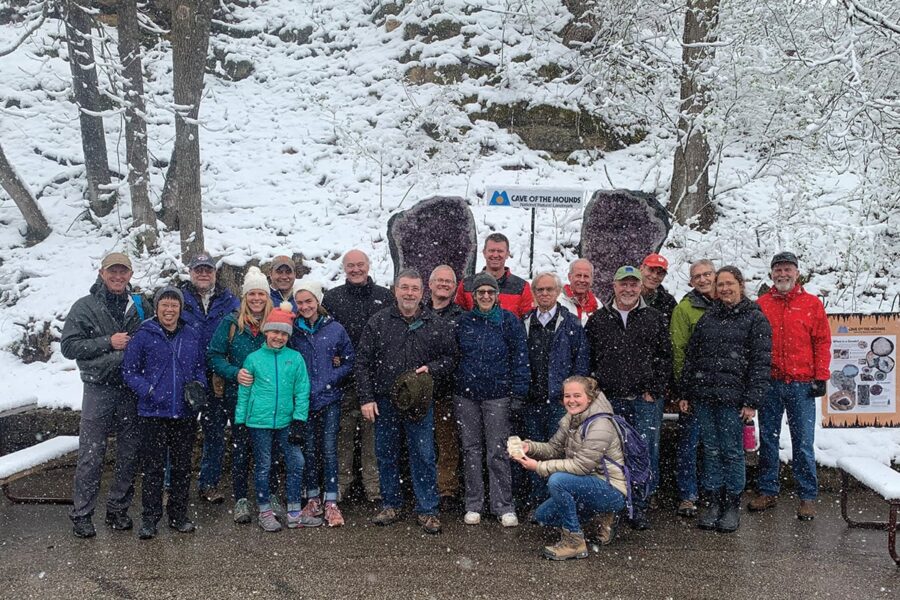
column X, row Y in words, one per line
column 87, row 97
column 190, row 43
column 38, row 229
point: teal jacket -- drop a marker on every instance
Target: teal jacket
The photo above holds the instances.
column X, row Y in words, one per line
column 280, row 390
column 228, row 350
column 681, row 327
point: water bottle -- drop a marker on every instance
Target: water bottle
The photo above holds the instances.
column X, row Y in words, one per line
column 749, row 436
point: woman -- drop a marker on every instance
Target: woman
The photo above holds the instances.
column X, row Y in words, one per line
column 581, row 463
column 726, row 376
column 237, row 336
column 329, row 357
column 492, row 375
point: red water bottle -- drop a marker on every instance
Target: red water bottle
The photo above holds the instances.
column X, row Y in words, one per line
column 749, row 436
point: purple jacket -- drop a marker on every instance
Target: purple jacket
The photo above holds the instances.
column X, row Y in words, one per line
column 319, row 345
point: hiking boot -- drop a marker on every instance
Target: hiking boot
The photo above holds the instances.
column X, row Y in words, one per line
column 605, row 525
column 182, row 525
column 509, row 519
column 731, row 514
column 268, row 521
column 686, row 508
column 472, row 518
column 212, row 495
column 807, row 510
column 242, row 512
column 430, row 523
column 710, row 510
column 387, row 516
column 762, row 502
column 448, row 504
column 147, row 530
column 119, row 521
column 570, row 545
column 333, row 515
column 296, row 518
column 313, row 508
column 639, row 521
column 83, row 527
column 276, row 506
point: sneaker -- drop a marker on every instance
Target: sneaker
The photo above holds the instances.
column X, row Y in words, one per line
column 268, row 521
column 807, row 510
column 429, row 523
column 242, row 512
column 313, row 508
column 277, row 506
column 387, row 516
column 83, row 527
column 472, row 518
column 687, row 508
column 296, row 518
column 509, row 519
column 333, row 515
column 762, row 502
column 182, row 525
column 212, row 495
column 148, row 530
column 119, row 521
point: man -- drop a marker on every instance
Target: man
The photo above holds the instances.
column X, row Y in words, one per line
column 206, row 303
column 579, row 297
column 801, row 358
column 351, row 305
column 515, row 293
column 96, row 332
column 684, row 319
column 283, row 275
column 442, row 284
column 395, row 341
column 557, row 349
column 654, row 269
column 631, row 359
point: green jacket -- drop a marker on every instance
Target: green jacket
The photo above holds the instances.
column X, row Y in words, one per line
column 280, row 390
column 228, row 351
column 684, row 319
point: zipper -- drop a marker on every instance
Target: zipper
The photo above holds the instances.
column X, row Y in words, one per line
column 275, row 414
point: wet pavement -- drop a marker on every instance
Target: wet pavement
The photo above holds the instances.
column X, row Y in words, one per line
column 772, row 556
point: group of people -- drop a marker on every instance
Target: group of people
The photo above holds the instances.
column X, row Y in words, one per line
column 306, row 376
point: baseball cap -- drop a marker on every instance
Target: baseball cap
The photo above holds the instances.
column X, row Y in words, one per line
column 283, row 260
column 656, row 260
column 785, row 257
column 202, row 260
column 115, row 258
column 626, row 272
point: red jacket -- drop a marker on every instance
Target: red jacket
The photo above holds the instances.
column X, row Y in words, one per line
column 515, row 294
column 801, row 336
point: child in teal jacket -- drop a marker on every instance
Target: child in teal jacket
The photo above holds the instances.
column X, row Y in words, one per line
column 275, row 407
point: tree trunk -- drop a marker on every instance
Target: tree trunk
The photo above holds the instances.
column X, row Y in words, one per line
column 190, row 43
column 38, row 229
column 135, row 126
column 689, row 195
column 87, row 97
column 169, row 212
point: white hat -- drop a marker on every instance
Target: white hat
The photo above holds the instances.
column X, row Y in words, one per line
column 308, row 285
column 254, row 280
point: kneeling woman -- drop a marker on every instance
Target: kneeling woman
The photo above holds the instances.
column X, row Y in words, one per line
column 582, row 484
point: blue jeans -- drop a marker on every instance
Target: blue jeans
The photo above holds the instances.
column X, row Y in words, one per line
column 212, row 423
column 794, row 399
column 541, row 422
column 721, row 431
column 262, row 440
column 688, row 432
column 320, row 448
column 390, row 428
column 646, row 418
column 577, row 497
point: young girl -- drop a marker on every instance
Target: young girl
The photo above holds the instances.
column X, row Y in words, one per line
column 274, row 408
column 581, row 484
column 326, row 347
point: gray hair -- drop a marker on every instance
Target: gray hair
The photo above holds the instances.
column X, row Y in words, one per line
column 555, row 277
column 581, row 261
column 407, row 273
column 701, row 262
column 437, row 268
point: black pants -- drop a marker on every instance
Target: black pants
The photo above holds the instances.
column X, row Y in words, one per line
column 159, row 438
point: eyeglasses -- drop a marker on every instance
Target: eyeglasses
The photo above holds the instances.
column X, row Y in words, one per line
column 485, row 292
column 446, row 281
column 545, row 290
column 696, row 276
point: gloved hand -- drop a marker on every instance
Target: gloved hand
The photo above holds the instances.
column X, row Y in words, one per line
column 195, row 395
column 817, row 389
column 295, row 436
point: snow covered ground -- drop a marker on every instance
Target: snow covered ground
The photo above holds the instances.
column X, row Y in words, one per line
column 324, row 141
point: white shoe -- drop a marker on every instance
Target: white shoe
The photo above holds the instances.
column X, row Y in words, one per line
column 509, row 520
column 472, row 518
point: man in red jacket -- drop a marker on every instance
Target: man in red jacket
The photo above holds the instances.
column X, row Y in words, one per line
column 515, row 293
column 801, row 354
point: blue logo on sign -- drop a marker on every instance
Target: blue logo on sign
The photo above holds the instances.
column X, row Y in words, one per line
column 499, row 199
column 843, row 329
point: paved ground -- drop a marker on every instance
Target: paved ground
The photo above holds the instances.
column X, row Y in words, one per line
column 772, row 556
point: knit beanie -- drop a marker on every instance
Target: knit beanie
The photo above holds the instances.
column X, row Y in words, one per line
column 485, row 278
column 280, row 319
column 254, row 280
column 168, row 290
column 313, row 287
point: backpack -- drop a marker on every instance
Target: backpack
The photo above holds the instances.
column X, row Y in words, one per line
column 637, row 457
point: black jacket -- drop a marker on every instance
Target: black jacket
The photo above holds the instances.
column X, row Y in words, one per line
column 443, row 386
column 352, row 305
column 662, row 301
column 389, row 346
column 87, row 331
column 729, row 356
column 626, row 362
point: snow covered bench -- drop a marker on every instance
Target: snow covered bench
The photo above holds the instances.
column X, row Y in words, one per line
column 33, row 460
column 881, row 479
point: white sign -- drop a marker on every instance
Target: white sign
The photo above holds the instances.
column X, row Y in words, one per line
column 534, row 197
